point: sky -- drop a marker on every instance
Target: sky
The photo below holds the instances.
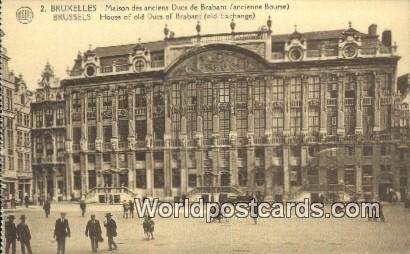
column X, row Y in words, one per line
column 31, row 45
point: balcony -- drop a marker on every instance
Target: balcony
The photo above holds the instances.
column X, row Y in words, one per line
column 91, row 146
column 76, row 116
column 107, row 145
column 123, row 144
column 159, row 142
column 208, row 163
column 106, row 69
column 331, row 102
column 158, row 164
column 91, row 114
column 223, row 141
column 259, row 141
column 350, row 101
column 295, row 104
column 107, row 113
column 76, row 147
column 140, row 111
column 140, row 164
column 367, row 101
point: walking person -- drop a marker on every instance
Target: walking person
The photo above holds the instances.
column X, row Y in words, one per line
column 93, row 230
column 23, row 235
column 47, row 207
column 83, row 207
column 131, row 206
column 10, row 234
column 111, row 228
column 125, row 209
column 148, row 226
column 26, row 200
column 61, row 231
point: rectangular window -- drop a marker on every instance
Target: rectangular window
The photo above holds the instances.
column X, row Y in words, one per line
column 92, row 134
column 26, row 120
column 60, row 116
column 313, row 88
column 242, row 122
column 241, row 92
column 159, row 178
column 349, row 151
column 259, row 91
column 77, row 180
column 192, row 180
column 91, row 100
column 106, row 157
column 331, row 120
column 295, row 121
column 208, row 94
column 277, row 89
column 27, row 164
column 141, row 129
column 20, row 162
column 176, row 178
column 107, row 134
column 313, row 121
column 76, row 102
column 123, row 130
column 277, row 121
column 224, row 124
column 49, row 117
column 140, row 97
column 122, row 98
column 39, row 118
column 207, row 119
column 141, row 178
column 60, row 143
column 224, row 92
column 295, row 89
column 350, row 120
column 349, row 176
column 19, row 138
column 107, row 99
column 367, row 151
column 259, row 123
column 368, row 85
column 76, row 135
column 27, row 139
column 385, row 150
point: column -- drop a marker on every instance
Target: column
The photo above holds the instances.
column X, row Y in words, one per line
column 184, row 171
column 250, row 165
column 359, row 169
column 55, row 189
column 131, row 169
column 286, row 176
column 168, row 173
column 150, row 131
column 199, row 167
column 323, row 113
column 69, row 146
column 268, row 173
column 359, row 106
column 340, row 105
column 99, row 131
column 376, row 103
column 233, row 164
column 149, row 163
column 98, row 168
column 305, row 106
column 215, row 166
column 84, row 173
column 322, row 163
column 376, row 167
column 286, row 103
column 45, row 193
column 304, row 163
column 114, row 138
column 268, row 110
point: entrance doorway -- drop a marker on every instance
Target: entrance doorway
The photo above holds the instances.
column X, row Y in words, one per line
column 385, row 184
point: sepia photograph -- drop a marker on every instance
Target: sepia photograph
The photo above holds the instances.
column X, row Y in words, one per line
column 220, row 126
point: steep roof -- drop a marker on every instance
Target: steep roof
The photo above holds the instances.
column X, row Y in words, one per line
column 126, row 49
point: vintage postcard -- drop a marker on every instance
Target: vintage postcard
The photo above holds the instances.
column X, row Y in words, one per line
column 266, row 126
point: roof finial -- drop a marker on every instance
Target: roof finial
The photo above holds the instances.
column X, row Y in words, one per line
column 269, row 23
column 350, row 24
column 166, row 30
column 233, row 26
column 89, row 47
column 198, row 27
column 139, row 40
column 296, row 27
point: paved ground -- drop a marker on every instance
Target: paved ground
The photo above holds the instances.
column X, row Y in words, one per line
column 236, row 236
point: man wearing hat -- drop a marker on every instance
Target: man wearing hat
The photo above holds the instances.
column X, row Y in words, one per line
column 111, row 228
column 93, row 230
column 23, row 235
column 10, row 234
column 61, row 231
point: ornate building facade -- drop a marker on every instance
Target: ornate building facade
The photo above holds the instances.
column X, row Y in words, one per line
column 16, row 142
column 238, row 112
column 48, row 135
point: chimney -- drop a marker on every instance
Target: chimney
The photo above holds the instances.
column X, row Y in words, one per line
column 386, row 38
column 372, row 30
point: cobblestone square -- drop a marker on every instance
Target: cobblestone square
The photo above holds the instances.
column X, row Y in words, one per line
column 234, row 236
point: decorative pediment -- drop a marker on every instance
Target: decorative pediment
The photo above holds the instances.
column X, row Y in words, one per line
column 215, row 61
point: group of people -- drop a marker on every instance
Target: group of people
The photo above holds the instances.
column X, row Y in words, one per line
column 128, row 208
column 14, row 233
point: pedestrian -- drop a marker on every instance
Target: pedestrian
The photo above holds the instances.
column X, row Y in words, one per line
column 148, row 226
column 23, row 235
column 26, row 200
column 255, row 218
column 61, row 231
column 10, row 234
column 13, row 202
column 111, row 228
column 381, row 214
column 93, row 230
column 131, row 206
column 47, row 207
column 111, row 199
column 125, row 208
column 82, row 207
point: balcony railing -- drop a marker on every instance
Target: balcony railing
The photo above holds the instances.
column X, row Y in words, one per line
column 106, row 69
column 107, row 145
column 122, row 67
column 331, row 102
column 91, row 146
column 157, row 63
column 159, row 142
column 367, row 101
column 76, row 147
column 350, row 101
column 123, row 144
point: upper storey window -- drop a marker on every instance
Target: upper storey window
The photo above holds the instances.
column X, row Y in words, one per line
column 140, row 97
column 314, row 88
column 277, row 89
column 368, row 85
column 295, row 89
column 122, row 99
column 107, row 100
column 224, row 92
column 350, row 87
column 91, row 100
column 76, row 102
